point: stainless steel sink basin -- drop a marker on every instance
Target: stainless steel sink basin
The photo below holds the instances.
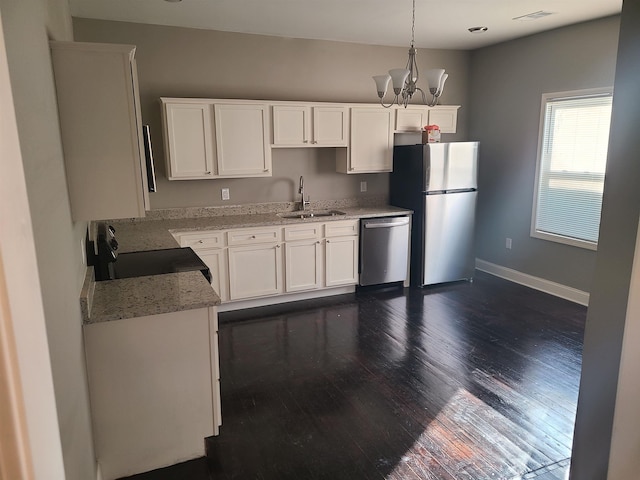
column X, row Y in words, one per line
column 311, row 214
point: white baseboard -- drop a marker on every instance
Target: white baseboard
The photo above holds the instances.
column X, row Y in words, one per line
column 547, row 286
column 289, row 297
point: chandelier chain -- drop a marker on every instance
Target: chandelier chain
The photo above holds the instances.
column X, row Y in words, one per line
column 413, row 24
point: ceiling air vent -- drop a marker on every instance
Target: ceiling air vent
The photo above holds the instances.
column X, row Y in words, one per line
column 533, row 16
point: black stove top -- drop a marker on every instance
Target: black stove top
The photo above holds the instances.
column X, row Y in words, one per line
column 158, row 262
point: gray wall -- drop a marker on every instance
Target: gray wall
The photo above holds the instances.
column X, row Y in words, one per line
column 507, row 82
column 613, row 273
column 180, row 62
column 28, row 26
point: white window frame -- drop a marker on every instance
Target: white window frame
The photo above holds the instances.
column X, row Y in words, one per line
column 546, row 97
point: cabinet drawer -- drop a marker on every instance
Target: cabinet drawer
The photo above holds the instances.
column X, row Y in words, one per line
column 341, row 228
column 202, row 240
column 249, row 236
column 302, row 232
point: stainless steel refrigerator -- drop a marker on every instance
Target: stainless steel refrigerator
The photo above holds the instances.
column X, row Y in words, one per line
column 438, row 181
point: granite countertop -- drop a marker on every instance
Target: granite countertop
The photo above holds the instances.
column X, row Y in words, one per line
column 137, row 297
column 156, row 234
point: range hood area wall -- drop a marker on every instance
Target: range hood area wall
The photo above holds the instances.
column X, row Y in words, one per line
column 182, row 62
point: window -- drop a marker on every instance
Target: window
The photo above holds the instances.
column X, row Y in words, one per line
column 572, row 156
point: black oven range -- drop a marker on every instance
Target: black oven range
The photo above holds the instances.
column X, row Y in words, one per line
column 110, row 265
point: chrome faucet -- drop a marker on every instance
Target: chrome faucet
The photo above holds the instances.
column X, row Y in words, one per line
column 303, row 203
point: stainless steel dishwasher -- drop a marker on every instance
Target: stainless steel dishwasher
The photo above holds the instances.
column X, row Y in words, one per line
column 384, row 250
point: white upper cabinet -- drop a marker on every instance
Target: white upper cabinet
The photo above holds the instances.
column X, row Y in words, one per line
column 330, row 126
column 310, row 126
column 414, row 118
column 206, row 139
column 100, row 122
column 215, row 138
column 291, row 125
column 411, row 120
column 189, row 142
column 242, row 133
column 445, row 116
column 371, row 143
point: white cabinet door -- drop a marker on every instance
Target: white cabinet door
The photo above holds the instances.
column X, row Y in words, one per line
column 330, row 126
column 189, row 143
column 149, row 376
column 209, row 246
column 341, row 261
column 216, row 260
column 255, row 271
column 303, row 265
column 291, row 125
column 100, row 123
column 445, row 116
column 411, row 119
column 242, row 140
column 371, row 147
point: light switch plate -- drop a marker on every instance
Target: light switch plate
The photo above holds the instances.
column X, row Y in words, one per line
column 363, row 186
column 225, row 194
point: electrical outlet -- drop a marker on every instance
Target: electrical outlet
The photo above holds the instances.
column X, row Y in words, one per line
column 508, row 243
column 225, row 194
column 83, row 252
column 363, row 186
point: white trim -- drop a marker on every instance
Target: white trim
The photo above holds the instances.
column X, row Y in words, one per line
column 98, row 471
column 537, row 283
column 261, row 302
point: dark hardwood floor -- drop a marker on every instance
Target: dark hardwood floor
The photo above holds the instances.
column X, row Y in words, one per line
column 463, row 381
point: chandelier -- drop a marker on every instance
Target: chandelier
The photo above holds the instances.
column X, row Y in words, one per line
column 404, row 80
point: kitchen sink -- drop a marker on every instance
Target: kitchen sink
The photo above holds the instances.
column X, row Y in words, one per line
column 311, row 214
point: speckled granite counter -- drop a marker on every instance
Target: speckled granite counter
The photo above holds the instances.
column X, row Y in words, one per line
column 136, row 236
column 135, row 297
column 141, row 296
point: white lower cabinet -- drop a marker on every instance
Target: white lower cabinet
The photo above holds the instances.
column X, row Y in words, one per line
column 341, row 253
column 216, row 260
column 255, row 271
column 303, row 263
column 210, row 247
column 148, row 377
column 249, row 263
column 341, row 263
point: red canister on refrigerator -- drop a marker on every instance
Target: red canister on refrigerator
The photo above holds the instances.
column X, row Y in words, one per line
column 431, row 134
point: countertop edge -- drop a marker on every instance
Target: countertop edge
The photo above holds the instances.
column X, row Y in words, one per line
column 147, row 296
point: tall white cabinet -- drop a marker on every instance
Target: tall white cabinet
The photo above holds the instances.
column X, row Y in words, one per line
column 101, row 126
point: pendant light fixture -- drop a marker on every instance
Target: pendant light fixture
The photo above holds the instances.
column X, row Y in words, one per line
column 404, row 80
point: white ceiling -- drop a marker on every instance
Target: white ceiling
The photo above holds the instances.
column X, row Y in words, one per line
column 439, row 24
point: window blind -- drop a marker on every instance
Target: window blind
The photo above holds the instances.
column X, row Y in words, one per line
column 572, row 162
